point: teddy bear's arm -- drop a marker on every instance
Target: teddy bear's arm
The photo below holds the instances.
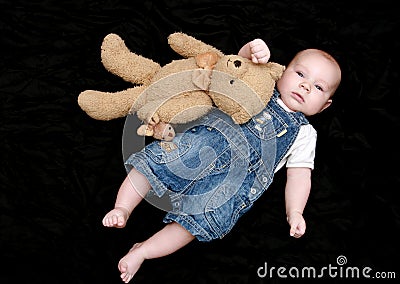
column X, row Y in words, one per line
column 106, row 105
column 119, row 60
column 188, row 46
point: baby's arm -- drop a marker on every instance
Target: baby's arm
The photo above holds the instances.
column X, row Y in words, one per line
column 256, row 50
column 298, row 186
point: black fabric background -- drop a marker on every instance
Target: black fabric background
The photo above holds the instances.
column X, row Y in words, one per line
column 60, row 169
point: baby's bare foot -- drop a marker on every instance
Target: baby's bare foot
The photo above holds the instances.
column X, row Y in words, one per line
column 116, row 218
column 131, row 262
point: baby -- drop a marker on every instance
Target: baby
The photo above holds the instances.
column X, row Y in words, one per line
column 210, row 192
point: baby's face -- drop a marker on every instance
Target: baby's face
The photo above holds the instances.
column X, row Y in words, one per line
column 308, row 82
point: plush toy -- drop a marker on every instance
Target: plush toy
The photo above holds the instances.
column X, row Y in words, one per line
column 182, row 90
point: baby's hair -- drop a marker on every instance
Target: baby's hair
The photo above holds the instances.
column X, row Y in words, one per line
column 322, row 52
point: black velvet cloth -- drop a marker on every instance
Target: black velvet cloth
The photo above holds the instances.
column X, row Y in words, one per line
column 60, row 169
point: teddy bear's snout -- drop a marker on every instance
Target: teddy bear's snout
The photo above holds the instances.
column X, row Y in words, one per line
column 237, row 63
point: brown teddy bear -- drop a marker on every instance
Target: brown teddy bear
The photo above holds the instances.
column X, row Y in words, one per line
column 182, row 90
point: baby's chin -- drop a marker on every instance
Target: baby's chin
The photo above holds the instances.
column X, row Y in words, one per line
column 290, row 104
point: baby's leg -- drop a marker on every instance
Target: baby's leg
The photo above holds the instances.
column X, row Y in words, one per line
column 131, row 192
column 171, row 238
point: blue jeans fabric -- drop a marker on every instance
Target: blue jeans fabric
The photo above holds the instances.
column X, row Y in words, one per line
column 213, row 172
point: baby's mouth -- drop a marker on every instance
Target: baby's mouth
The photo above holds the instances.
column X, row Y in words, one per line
column 298, row 97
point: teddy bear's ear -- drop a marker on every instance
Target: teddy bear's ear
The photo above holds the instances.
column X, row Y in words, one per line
column 276, row 70
column 207, row 60
column 145, row 130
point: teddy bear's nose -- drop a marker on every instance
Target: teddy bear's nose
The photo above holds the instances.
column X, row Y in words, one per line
column 237, row 63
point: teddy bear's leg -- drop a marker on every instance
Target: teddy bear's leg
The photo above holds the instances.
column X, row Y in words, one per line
column 119, row 60
column 188, row 46
column 107, row 106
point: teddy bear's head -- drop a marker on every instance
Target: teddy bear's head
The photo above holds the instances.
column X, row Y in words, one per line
column 240, row 87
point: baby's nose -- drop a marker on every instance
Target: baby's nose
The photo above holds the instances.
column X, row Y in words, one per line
column 305, row 86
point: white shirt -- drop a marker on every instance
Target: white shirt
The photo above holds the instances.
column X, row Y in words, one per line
column 302, row 152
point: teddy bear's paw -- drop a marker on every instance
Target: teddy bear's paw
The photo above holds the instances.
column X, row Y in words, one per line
column 103, row 105
column 188, row 46
column 88, row 102
column 163, row 131
column 113, row 42
column 240, row 118
column 145, row 130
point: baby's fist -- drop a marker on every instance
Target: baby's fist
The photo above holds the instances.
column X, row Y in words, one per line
column 297, row 224
column 260, row 52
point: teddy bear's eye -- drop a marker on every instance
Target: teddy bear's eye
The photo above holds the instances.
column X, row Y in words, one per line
column 237, row 63
column 231, row 82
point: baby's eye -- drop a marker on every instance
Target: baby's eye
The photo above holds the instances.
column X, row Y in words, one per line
column 319, row 88
column 300, row 74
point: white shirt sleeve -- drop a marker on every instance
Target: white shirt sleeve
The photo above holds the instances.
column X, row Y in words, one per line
column 302, row 152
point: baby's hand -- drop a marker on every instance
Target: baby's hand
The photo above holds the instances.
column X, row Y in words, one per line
column 259, row 51
column 297, row 224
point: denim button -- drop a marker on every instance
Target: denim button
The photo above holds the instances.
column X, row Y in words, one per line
column 267, row 115
column 265, row 179
column 260, row 121
column 253, row 190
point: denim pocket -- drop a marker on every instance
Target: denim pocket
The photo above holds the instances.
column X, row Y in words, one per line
column 178, row 147
column 223, row 214
column 265, row 127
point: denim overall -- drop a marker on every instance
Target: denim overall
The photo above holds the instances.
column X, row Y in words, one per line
column 213, row 172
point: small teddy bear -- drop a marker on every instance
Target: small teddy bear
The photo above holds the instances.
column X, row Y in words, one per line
column 182, row 90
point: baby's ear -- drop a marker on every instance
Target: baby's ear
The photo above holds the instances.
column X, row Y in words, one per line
column 145, row 130
column 326, row 105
